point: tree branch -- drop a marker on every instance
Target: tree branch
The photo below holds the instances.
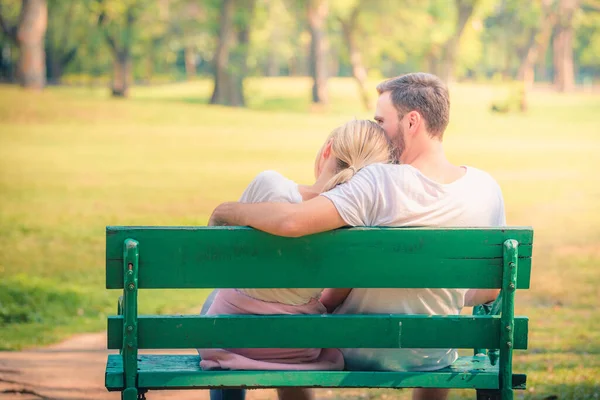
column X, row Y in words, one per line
column 109, row 39
column 67, row 22
column 9, row 31
column 67, row 58
column 591, row 4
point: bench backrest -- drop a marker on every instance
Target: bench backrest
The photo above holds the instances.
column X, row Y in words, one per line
column 230, row 257
column 234, row 257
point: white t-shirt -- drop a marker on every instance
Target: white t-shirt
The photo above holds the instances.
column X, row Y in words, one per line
column 271, row 186
column 400, row 195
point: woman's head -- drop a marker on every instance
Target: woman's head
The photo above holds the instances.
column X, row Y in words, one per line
column 349, row 148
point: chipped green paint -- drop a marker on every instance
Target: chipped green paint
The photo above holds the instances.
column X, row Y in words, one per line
column 509, row 285
column 129, row 350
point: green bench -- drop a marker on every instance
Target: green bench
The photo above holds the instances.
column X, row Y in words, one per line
column 232, row 257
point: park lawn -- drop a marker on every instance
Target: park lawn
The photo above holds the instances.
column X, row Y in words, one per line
column 72, row 161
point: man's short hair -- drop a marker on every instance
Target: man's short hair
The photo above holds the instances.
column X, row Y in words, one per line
column 421, row 92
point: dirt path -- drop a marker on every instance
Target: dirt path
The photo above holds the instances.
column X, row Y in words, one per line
column 74, row 370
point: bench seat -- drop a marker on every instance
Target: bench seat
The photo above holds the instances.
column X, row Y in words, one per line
column 183, row 372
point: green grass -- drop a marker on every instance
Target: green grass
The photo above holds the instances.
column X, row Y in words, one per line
column 72, row 161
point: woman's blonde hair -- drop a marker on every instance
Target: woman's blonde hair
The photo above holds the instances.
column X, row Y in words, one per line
column 355, row 145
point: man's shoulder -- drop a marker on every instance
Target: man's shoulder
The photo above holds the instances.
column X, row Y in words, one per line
column 479, row 176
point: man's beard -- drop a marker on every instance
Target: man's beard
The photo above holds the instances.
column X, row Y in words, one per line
column 398, row 146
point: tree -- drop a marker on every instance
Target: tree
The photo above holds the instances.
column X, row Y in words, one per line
column 317, row 11
column 66, row 30
column 564, row 78
column 232, row 52
column 191, row 31
column 536, row 49
column 116, row 20
column 464, row 11
column 587, row 49
column 359, row 72
column 29, row 34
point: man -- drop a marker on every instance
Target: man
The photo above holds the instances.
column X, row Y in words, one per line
column 425, row 189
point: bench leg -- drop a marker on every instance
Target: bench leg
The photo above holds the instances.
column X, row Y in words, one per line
column 487, row 394
column 130, row 393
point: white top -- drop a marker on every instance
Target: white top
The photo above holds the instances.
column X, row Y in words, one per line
column 271, row 186
column 400, row 195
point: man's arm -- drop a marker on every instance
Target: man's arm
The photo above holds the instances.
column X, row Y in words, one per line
column 291, row 220
column 474, row 297
column 332, row 298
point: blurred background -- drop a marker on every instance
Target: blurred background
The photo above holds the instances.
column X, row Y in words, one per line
column 152, row 112
column 126, row 42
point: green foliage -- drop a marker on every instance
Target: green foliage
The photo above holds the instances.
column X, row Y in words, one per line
column 26, row 299
column 587, row 49
column 510, row 100
column 509, row 30
column 393, row 37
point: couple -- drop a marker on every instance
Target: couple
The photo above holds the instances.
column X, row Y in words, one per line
column 424, row 189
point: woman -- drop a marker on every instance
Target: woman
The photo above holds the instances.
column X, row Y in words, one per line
column 348, row 149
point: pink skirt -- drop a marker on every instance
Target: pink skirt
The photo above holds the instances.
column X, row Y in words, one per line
column 231, row 301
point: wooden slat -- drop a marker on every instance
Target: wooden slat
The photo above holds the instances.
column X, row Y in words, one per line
column 333, row 331
column 229, row 257
column 183, row 372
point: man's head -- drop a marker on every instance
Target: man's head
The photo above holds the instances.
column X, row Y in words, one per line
column 413, row 108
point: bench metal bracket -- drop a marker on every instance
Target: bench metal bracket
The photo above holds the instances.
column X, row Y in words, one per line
column 507, row 326
column 129, row 351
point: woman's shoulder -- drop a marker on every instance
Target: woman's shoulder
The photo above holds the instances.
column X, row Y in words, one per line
column 270, row 179
column 270, row 175
column 271, row 186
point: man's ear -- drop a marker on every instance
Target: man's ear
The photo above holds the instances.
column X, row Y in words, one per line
column 414, row 120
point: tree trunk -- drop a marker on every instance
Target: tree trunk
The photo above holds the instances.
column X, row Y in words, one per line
column 54, row 66
column 222, row 77
column 241, row 52
column 465, row 10
column 317, row 13
column 190, row 62
column 58, row 54
column 564, row 78
column 6, row 63
column 537, row 47
column 121, row 74
column 31, row 69
column 272, row 64
column 121, row 50
column 359, row 72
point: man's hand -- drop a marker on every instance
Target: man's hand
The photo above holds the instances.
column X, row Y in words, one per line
column 282, row 219
column 475, row 297
column 219, row 214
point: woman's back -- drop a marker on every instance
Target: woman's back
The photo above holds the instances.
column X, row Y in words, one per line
column 271, row 186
